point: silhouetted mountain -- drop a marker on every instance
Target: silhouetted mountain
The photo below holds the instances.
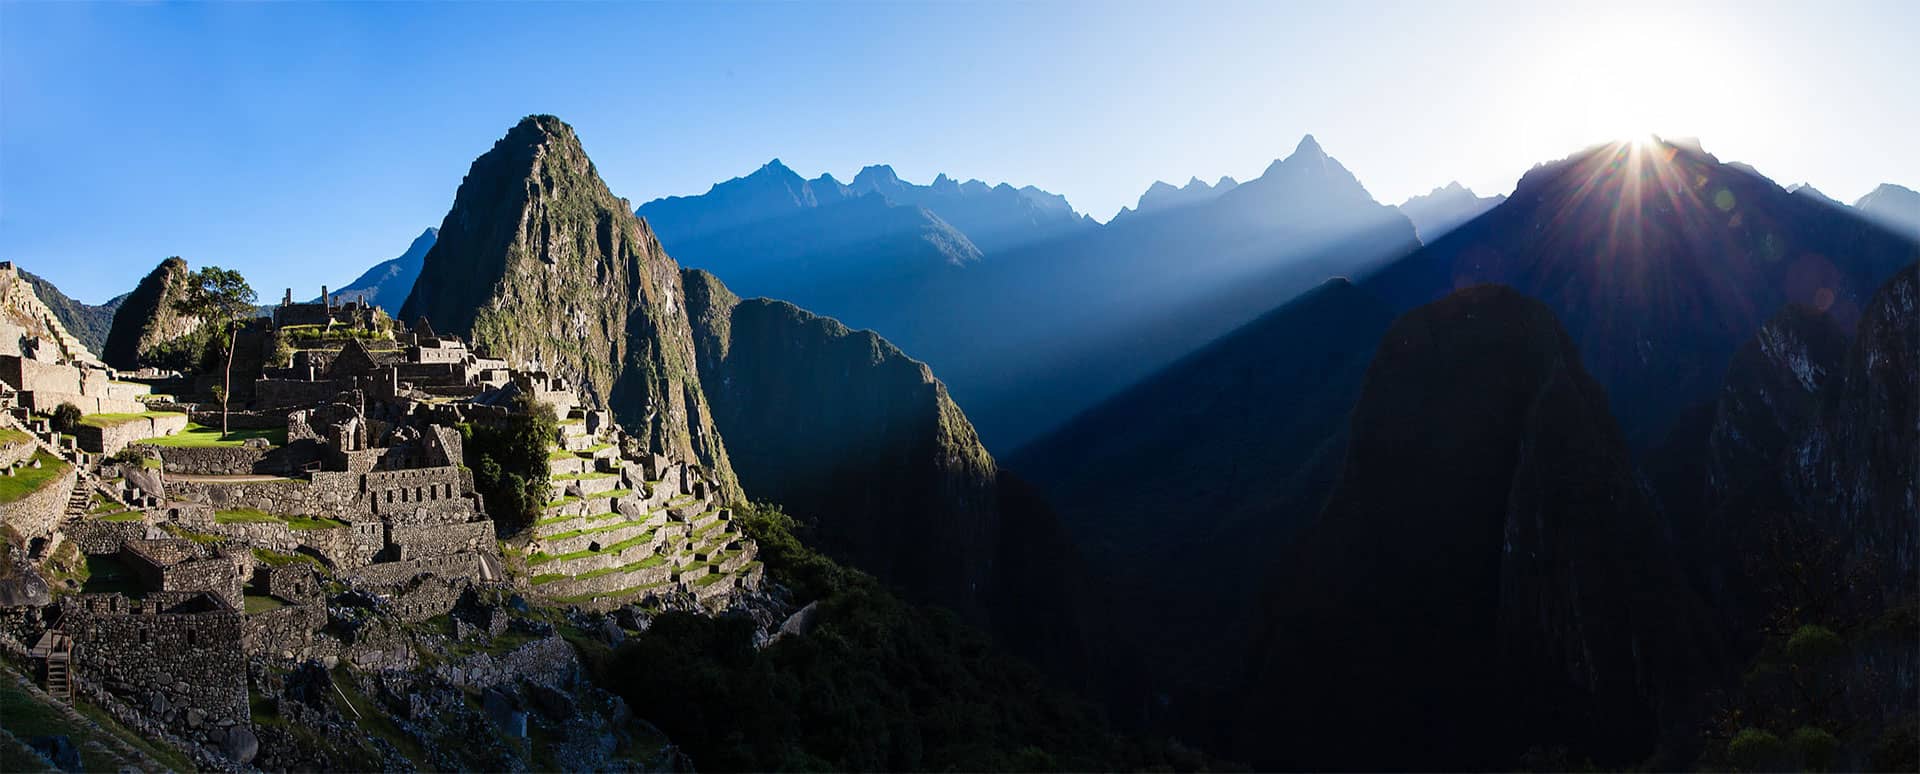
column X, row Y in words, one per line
column 1217, row 461
column 1807, row 190
column 87, row 322
column 1445, row 208
column 1660, row 260
column 537, row 262
column 1893, row 206
column 1487, row 578
column 388, row 283
column 862, row 442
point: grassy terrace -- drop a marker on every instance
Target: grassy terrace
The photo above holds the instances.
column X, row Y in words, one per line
column 104, row 421
column 614, row 493
column 592, row 530
column 29, row 479
column 539, row 559
column 568, row 500
column 260, row 604
column 710, row 579
column 560, row 454
column 255, row 516
column 123, row 516
column 652, row 561
column 277, row 559
column 10, row 436
column 199, row 436
column 626, row 592
column 594, row 476
column 593, row 517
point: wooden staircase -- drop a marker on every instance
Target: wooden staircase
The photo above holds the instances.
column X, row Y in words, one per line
column 57, row 649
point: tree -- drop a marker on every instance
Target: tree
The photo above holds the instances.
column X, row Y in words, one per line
column 221, row 298
column 66, row 416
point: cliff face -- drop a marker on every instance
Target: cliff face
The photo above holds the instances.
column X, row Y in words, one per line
column 539, row 263
column 146, row 320
column 1486, row 578
column 850, row 434
column 25, row 315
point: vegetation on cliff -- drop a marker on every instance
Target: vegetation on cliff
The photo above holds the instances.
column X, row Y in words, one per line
column 537, row 262
column 878, row 684
column 148, row 328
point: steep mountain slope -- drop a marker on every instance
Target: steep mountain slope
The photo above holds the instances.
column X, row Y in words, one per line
column 1445, row 208
column 1660, row 260
column 146, row 320
column 387, row 284
column 539, row 263
column 1216, row 461
column 1894, row 206
column 1487, row 577
column 87, row 322
column 850, row 434
column 30, row 327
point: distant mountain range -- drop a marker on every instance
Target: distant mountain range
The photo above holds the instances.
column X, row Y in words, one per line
column 387, row 284
column 1893, row 206
column 1445, row 208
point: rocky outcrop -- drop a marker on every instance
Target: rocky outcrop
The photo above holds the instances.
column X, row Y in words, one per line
column 147, row 319
column 847, row 432
column 1486, row 579
column 538, row 263
column 1861, row 457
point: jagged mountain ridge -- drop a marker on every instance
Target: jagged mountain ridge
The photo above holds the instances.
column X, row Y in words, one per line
column 389, row 282
column 537, row 262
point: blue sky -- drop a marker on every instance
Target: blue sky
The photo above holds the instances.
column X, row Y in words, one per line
column 302, row 143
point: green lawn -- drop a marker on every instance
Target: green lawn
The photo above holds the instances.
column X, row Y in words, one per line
column 259, row 604
column 123, row 516
column 104, row 421
column 244, row 516
column 623, row 545
column 305, row 523
column 10, row 436
column 200, row 436
column 29, row 479
column 108, row 574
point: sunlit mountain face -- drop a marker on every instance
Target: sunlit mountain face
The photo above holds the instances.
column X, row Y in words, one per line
column 1660, row 259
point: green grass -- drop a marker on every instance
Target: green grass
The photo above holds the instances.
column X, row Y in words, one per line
column 28, row 479
column 613, row 493
column 200, row 437
column 10, row 436
column 104, row 421
column 594, row 476
column 591, row 530
column 652, row 561
column 256, row 516
column 197, row 537
column 276, row 559
column 244, row 516
column 123, row 516
column 259, row 604
column 627, row 592
column 591, row 450
column 710, row 579
column 538, row 559
column 28, row 717
column 563, row 501
column 108, row 574
column 561, row 454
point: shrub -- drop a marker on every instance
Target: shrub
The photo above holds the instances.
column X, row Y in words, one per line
column 1754, row 749
column 1815, row 745
column 66, row 417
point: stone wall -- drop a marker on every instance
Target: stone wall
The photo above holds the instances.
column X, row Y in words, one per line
column 286, row 633
column 36, row 514
column 425, row 597
column 389, row 574
column 289, row 393
column 417, row 541
column 98, row 538
column 549, row 661
column 109, row 440
column 12, row 453
column 420, row 495
column 326, row 495
column 178, row 656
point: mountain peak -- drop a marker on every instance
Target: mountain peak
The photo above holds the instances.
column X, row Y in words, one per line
column 1308, row 148
column 876, row 176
